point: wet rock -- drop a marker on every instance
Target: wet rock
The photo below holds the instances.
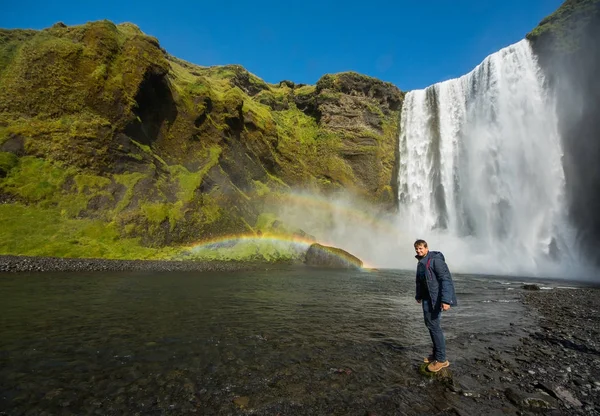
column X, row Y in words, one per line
column 531, row 287
column 444, row 375
column 566, row 396
column 332, row 257
column 561, row 393
column 528, row 401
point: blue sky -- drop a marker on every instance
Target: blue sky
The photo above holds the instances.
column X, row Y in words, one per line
column 412, row 44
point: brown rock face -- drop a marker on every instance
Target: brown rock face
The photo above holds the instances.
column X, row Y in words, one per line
column 364, row 112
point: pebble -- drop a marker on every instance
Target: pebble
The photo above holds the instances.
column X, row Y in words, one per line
column 14, row 264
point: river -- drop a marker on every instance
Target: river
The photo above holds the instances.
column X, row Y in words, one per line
column 289, row 341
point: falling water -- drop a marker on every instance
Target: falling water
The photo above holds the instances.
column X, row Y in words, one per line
column 480, row 170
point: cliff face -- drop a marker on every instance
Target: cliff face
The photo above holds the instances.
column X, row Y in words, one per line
column 567, row 45
column 109, row 145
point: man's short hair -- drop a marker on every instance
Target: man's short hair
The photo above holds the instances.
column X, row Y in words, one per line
column 421, row 243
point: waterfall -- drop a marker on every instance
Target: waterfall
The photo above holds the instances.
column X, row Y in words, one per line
column 480, row 171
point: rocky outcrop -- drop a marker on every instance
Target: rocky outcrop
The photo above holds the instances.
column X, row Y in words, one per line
column 566, row 43
column 364, row 112
column 331, row 257
column 106, row 126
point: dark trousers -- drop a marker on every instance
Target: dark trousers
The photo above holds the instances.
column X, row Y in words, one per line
column 432, row 322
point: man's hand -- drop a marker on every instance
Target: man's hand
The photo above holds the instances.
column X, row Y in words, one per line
column 419, row 301
column 445, row 306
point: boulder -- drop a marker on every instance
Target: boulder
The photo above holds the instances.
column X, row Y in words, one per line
column 332, row 257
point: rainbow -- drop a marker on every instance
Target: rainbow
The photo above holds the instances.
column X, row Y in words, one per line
column 227, row 241
column 352, row 214
column 232, row 239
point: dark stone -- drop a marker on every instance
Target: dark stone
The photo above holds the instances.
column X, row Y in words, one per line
column 15, row 144
column 531, row 287
column 528, row 401
column 247, row 82
column 46, row 264
column 208, row 106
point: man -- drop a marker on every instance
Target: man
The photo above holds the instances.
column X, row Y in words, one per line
column 435, row 292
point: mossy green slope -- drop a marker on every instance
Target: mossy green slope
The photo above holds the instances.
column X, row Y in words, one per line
column 566, row 29
column 110, row 147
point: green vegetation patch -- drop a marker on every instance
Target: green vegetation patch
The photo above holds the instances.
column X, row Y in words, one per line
column 35, row 179
column 36, row 231
column 248, row 249
column 7, row 162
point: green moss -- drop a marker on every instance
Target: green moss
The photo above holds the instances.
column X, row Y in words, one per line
column 260, row 189
column 34, row 179
column 146, row 149
column 271, row 251
column 100, row 73
column 51, row 234
column 129, row 29
column 128, row 180
column 211, row 211
column 7, row 162
column 199, row 87
column 294, row 126
column 265, row 221
column 54, row 86
column 190, row 181
column 90, row 183
column 158, row 212
column 305, row 90
column 326, row 82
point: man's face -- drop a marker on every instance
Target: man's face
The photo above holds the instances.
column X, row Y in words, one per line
column 421, row 250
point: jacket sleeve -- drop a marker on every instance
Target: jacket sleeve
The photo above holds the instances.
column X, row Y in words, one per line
column 418, row 295
column 444, row 277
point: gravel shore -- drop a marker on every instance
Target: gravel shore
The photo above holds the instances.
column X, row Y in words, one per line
column 553, row 367
column 56, row 264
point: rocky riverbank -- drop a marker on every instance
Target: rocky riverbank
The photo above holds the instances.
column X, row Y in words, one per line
column 553, row 368
column 56, row 264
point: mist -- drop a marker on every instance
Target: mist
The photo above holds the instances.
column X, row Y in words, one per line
column 385, row 240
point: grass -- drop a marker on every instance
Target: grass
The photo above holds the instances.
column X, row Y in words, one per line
column 128, row 181
column 270, row 251
column 7, row 162
column 34, row 179
column 49, row 233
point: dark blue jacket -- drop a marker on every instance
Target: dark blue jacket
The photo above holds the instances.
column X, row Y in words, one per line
column 438, row 279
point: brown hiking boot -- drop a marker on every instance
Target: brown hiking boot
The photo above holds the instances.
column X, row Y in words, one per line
column 429, row 359
column 436, row 366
